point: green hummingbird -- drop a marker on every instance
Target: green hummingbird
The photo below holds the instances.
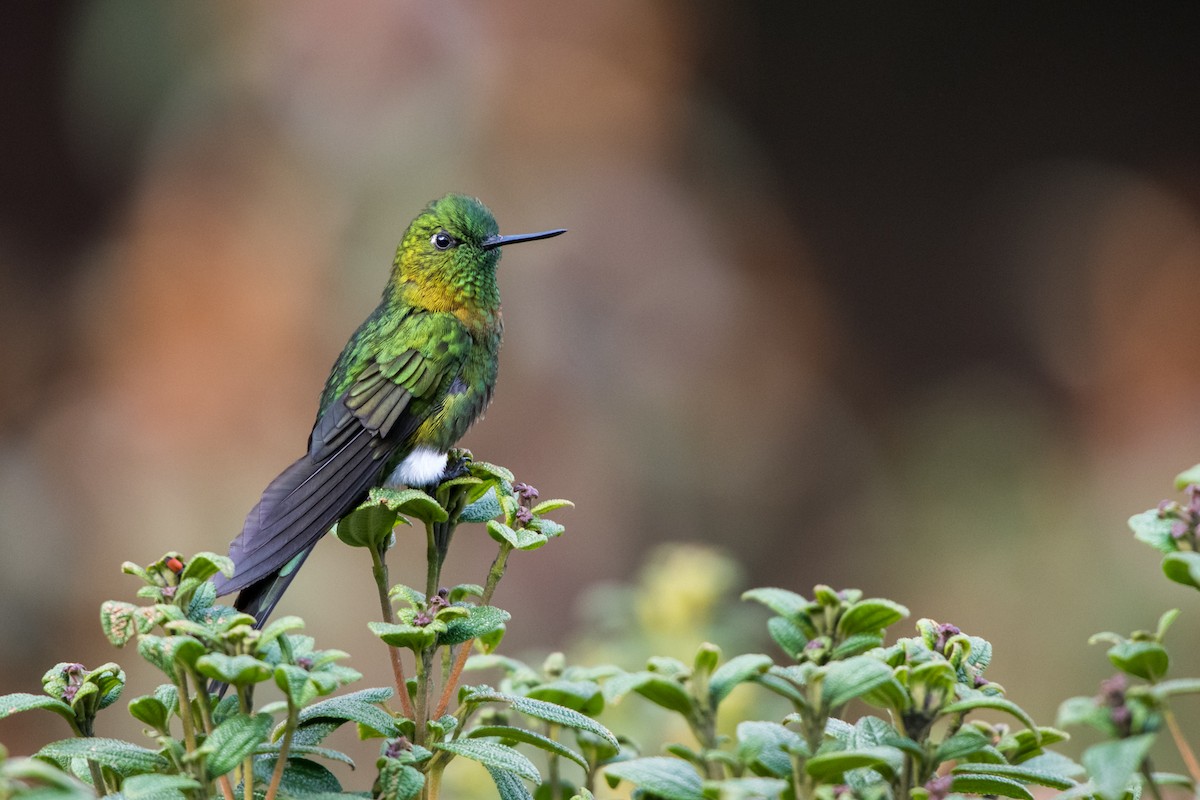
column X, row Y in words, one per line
column 408, row 384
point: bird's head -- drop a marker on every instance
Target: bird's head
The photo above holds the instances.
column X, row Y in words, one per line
column 447, row 259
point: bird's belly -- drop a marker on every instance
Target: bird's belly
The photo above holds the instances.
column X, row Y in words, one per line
column 422, row 467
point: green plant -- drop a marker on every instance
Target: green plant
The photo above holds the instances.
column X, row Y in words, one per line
column 857, row 717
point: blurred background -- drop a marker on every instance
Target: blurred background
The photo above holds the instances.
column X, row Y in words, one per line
column 897, row 297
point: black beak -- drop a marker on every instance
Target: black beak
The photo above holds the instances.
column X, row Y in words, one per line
column 500, row 241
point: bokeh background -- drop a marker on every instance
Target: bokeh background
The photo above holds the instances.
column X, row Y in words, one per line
column 893, row 296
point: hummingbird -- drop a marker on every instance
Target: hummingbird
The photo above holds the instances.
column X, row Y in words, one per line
column 409, row 383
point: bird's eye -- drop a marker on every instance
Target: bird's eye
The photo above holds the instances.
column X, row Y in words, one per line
column 442, row 240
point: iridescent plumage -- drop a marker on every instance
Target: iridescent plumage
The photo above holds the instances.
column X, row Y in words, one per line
column 408, row 384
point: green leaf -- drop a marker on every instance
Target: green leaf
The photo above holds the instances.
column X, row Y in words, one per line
column 1187, row 477
column 354, row 707
column 870, row 616
column 370, row 525
column 1112, row 765
column 788, row 635
column 278, row 628
column 235, row 670
column 118, row 621
column 295, row 683
column 204, row 565
column 855, row 645
column 509, row 785
column 492, row 755
column 1016, row 772
column 764, row 747
column 1183, row 567
column 547, row 712
column 992, row 785
column 480, row 621
column 966, row 742
column 1146, row 660
column 483, row 509
column 668, row 778
column 662, row 691
column 582, row 696
column 412, row 637
column 520, row 539
column 410, row 503
column 1165, row 689
column 511, row 734
column 783, row 602
column 830, row 767
column 156, row 786
column 233, row 740
column 745, row 788
column 548, row 506
column 738, row 669
column 993, row 702
column 23, row 701
column 398, row 781
column 295, row 749
column 300, row 776
column 165, row 652
column 123, row 758
column 852, row 678
column 150, row 710
column 1154, row 530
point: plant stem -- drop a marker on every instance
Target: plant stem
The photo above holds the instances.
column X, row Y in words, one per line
column 207, row 723
column 1189, row 758
column 248, row 762
column 433, row 568
column 424, row 670
column 380, row 572
column 464, row 650
column 277, row 775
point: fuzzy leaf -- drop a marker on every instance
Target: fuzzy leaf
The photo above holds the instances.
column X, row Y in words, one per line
column 547, row 712
column 1147, row 660
column 993, row 702
column 509, row 785
column 240, row 670
column 510, row 734
column 203, row 566
column 1154, row 530
column 118, row 621
column 494, row 756
column 787, row 635
column 23, row 701
column 301, row 777
column 1112, row 765
column 233, row 740
column 156, row 786
column 738, row 669
column 398, row 781
column 828, row 767
column 547, row 506
column 412, row 637
column 480, row 621
column 582, row 696
column 150, row 710
column 1187, row 477
column 854, row 677
column 870, row 616
column 1183, row 567
column 764, row 747
column 122, row 757
column 1017, row 772
column 992, row 785
column 783, row 602
column 354, row 707
column 668, row 778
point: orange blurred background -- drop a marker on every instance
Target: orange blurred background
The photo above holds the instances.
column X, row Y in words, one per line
column 897, row 298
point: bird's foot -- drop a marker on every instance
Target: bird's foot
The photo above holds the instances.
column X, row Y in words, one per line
column 458, row 464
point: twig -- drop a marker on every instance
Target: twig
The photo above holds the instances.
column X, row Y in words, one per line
column 380, row 571
column 1185, row 750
